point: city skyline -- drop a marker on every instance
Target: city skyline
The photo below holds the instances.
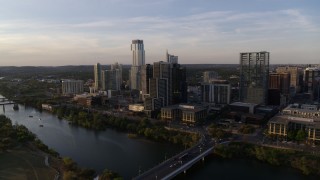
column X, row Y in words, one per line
column 44, row 33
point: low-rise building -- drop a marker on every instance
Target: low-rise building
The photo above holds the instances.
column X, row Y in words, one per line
column 189, row 114
column 136, row 107
column 294, row 118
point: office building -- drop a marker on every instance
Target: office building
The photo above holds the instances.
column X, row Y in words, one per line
column 279, row 88
column 167, row 85
column 216, row 92
column 97, row 76
column 209, row 76
column 311, row 79
column 70, row 87
column 254, row 74
column 189, row 114
column 112, row 79
column 297, row 117
column 138, row 59
column 146, row 75
column 296, row 76
column 171, row 58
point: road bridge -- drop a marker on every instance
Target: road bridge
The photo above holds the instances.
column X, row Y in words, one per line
column 179, row 163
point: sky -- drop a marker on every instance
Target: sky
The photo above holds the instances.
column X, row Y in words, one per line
column 84, row 32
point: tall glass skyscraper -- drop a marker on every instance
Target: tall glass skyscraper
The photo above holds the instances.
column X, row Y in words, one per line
column 138, row 60
column 97, row 77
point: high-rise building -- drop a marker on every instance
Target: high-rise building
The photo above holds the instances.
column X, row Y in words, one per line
column 112, row 79
column 217, row 92
column 279, row 88
column 72, row 86
column 138, row 59
column 296, row 75
column 209, row 76
column 167, row 86
column 118, row 68
column 171, row 58
column 254, row 74
column 280, row 81
column 146, row 75
column 311, row 79
column 97, row 76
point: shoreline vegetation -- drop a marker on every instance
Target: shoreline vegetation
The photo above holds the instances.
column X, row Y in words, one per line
column 307, row 163
column 18, row 144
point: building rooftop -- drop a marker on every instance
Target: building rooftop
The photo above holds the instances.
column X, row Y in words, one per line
column 243, row 104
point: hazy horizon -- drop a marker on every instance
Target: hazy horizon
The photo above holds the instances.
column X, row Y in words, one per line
column 83, row 32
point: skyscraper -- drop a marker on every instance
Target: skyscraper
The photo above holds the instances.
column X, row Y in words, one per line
column 167, row 86
column 112, row 79
column 296, row 76
column 311, row 79
column 138, row 59
column 171, row 58
column 97, row 76
column 254, row 74
column 146, row 75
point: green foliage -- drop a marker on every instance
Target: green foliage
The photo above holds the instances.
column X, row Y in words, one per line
column 301, row 135
column 217, row 132
column 72, row 171
column 306, row 163
column 109, row 175
column 246, row 129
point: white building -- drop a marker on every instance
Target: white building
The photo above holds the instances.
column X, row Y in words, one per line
column 72, row 86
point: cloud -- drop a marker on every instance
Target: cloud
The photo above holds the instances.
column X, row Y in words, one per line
column 203, row 35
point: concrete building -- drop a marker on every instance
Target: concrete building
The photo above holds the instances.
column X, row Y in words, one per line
column 136, row 107
column 189, row 114
column 112, row 79
column 138, row 60
column 216, row 92
column 311, row 79
column 296, row 75
column 279, row 88
column 97, row 77
column 146, row 75
column 254, row 74
column 294, row 118
column 70, row 87
column 167, row 85
column 209, row 76
column 171, row 58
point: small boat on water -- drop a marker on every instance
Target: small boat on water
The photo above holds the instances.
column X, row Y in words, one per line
column 30, row 116
column 39, row 119
column 40, row 125
column 15, row 107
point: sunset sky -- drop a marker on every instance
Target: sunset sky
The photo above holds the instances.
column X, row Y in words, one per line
column 83, row 32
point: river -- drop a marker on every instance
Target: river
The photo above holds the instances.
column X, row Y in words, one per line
column 114, row 150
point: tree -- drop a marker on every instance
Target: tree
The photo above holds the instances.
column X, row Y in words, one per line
column 301, row 135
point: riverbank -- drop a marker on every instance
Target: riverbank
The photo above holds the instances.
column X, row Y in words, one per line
column 307, row 163
column 24, row 156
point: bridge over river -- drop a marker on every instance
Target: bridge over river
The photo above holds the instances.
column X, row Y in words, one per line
column 179, row 163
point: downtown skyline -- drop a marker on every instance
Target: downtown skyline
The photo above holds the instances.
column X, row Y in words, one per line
column 82, row 32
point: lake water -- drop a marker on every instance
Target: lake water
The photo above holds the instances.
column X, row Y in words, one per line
column 114, row 150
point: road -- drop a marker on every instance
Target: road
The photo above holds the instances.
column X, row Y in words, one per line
column 174, row 163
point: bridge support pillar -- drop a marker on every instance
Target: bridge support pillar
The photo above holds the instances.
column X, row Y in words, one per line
column 202, row 159
column 185, row 171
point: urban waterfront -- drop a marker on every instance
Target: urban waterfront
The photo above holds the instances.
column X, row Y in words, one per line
column 114, row 150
